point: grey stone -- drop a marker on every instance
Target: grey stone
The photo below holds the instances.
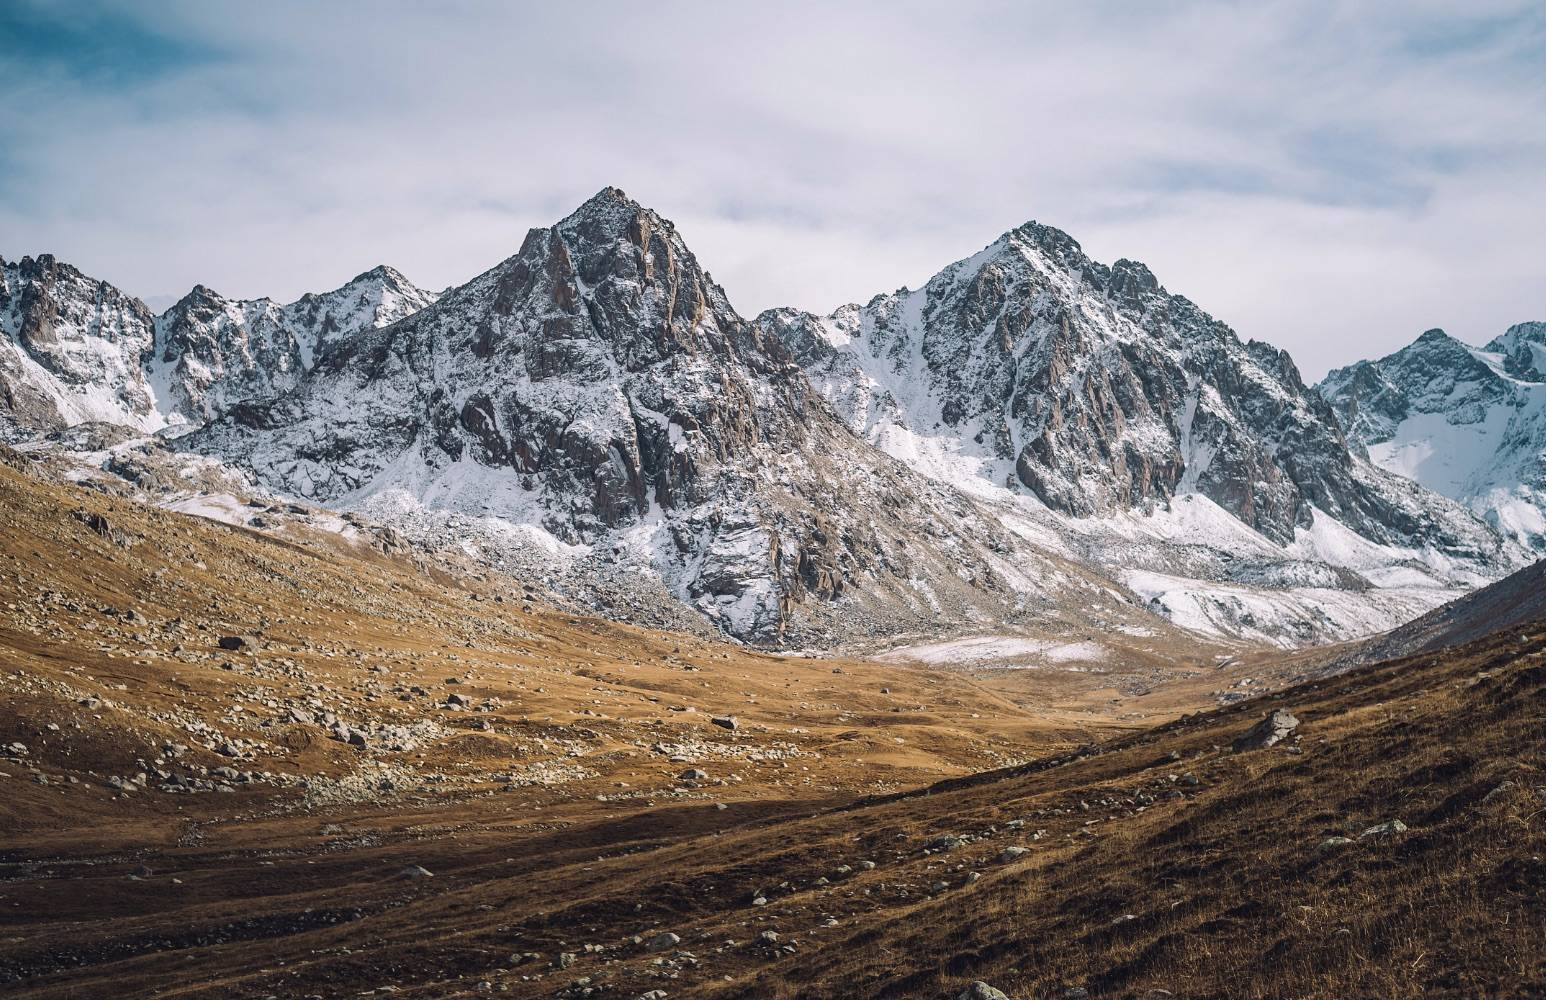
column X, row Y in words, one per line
column 982, row 991
column 1385, row 829
column 1268, row 732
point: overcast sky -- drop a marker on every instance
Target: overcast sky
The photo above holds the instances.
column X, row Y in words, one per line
column 1333, row 178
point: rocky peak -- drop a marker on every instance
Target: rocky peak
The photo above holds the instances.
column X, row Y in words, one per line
column 1424, row 377
column 600, row 361
column 599, row 386
column 72, row 349
column 1092, row 389
column 1053, row 242
column 1523, row 347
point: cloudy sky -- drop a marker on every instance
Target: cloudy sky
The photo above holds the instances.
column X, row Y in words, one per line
column 1334, row 178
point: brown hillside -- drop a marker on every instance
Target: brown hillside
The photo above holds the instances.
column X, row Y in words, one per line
column 563, row 831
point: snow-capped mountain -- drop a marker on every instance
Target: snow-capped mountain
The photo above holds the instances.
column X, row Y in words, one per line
column 600, row 386
column 1465, row 422
column 1031, row 439
column 76, row 349
column 213, row 352
column 72, row 349
column 1029, row 371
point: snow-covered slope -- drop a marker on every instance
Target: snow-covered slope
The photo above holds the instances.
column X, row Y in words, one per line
column 76, row 349
column 1465, row 422
column 213, row 352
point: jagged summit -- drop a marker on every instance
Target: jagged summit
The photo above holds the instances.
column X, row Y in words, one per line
column 1523, row 347
column 609, row 202
column 1033, row 375
column 1049, row 239
column 1091, row 388
column 381, row 272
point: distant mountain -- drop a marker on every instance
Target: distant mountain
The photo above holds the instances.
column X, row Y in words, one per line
column 72, row 349
column 76, row 349
column 1465, row 422
column 214, row 352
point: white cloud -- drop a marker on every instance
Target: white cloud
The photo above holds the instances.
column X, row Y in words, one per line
column 1333, row 178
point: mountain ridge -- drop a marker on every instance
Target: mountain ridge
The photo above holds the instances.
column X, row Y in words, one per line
column 77, row 349
column 1024, row 431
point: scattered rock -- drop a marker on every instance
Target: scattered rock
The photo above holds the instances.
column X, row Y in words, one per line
column 1498, row 792
column 1386, row 829
column 663, row 942
column 982, row 991
column 725, row 722
column 1268, row 732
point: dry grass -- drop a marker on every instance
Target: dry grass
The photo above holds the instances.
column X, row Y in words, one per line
column 1229, row 892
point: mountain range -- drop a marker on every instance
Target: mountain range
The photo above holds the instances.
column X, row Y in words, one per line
column 1031, row 439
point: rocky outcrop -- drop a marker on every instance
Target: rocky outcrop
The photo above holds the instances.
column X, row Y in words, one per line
column 72, row 349
column 213, row 353
column 1270, row 731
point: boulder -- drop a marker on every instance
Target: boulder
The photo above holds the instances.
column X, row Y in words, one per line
column 982, row 991
column 1268, row 732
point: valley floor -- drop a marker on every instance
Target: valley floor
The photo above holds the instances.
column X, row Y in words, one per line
column 403, row 781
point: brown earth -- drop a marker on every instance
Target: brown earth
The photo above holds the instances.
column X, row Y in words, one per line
column 561, row 819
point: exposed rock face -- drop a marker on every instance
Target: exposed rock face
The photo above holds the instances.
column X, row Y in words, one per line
column 72, row 349
column 599, row 383
column 1092, row 388
column 213, row 352
column 1465, row 422
column 599, row 362
column 76, row 349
